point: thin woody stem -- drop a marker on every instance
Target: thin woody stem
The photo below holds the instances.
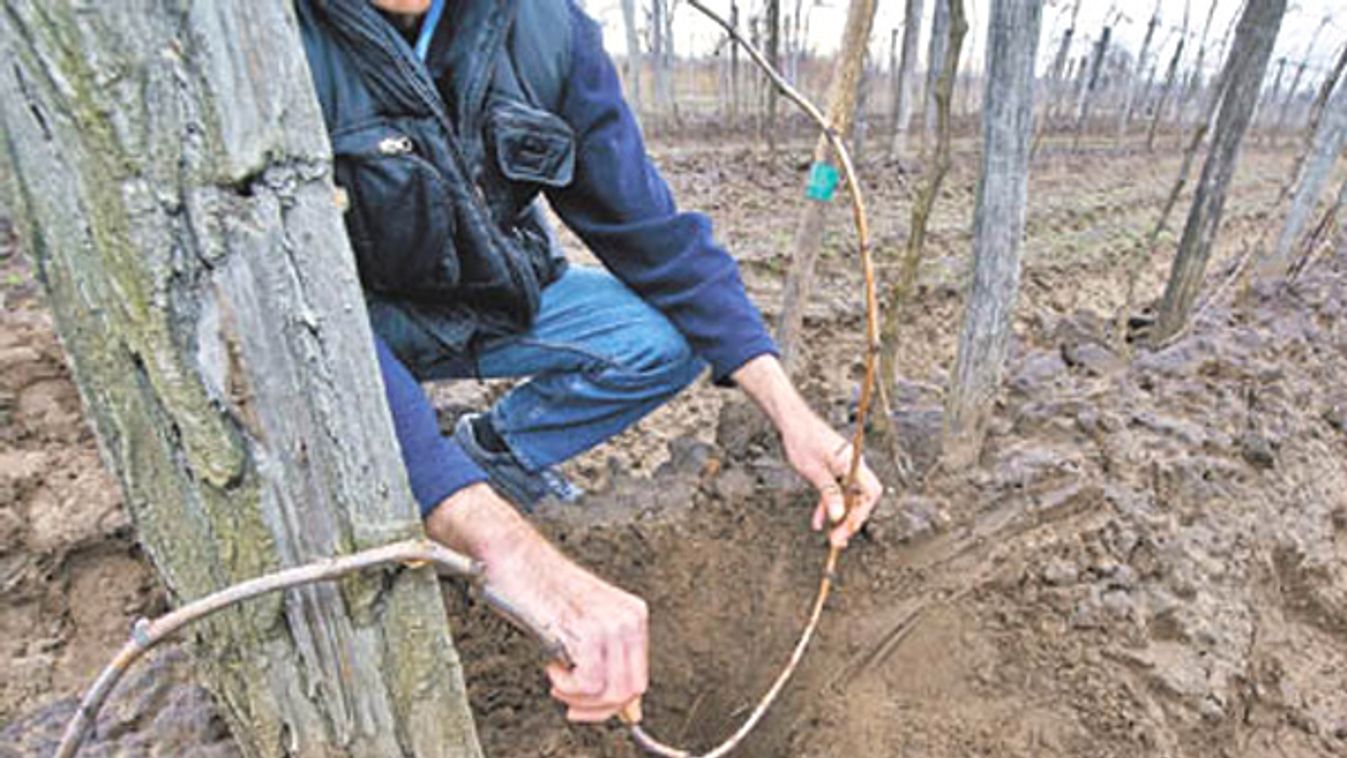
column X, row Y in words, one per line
column 641, row 737
column 147, row 633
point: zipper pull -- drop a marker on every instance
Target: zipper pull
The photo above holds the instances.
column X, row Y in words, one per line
column 399, row 145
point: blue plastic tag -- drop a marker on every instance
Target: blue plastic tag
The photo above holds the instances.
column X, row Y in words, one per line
column 822, row 182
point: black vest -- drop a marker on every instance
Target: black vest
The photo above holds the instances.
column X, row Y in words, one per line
column 442, row 163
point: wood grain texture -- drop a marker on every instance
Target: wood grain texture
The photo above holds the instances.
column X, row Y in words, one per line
column 1241, row 82
column 168, row 170
column 1326, row 144
column 998, row 225
column 843, row 90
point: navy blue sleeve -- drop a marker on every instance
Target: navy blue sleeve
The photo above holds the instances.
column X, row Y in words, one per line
column 436, row 465
column 621, row 207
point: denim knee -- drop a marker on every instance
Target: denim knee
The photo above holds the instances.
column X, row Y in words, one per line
column 656, row 358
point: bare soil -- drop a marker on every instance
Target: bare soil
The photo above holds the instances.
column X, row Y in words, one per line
column 1150, row 559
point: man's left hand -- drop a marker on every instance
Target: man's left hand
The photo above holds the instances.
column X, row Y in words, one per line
column 815, row 450
column 823, row 458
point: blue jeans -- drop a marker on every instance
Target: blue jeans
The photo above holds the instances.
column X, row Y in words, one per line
column 600, row 359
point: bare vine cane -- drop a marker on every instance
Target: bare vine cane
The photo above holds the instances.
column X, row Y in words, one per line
column 631, row 714
column 413, row 553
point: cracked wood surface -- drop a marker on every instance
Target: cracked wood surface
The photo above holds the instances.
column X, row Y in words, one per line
column 167, row 167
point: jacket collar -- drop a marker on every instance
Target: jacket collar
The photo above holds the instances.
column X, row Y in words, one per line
column 464, row 55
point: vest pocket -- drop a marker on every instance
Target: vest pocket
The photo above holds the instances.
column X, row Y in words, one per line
column 531, row 145
column 400, row 221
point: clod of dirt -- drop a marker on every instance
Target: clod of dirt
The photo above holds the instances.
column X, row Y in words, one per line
column 1093, row 358
column 70, row 576
column 158, row 710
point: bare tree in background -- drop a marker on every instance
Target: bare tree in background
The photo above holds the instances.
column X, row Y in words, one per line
column 736, row 86
column 799, row 40
column 1294, row 89
column 935, row 66
column 1269, row 101
column 1194, row 82
column 895, row 72
column 1326, row 87
column 955, row 28
column 659, row 10
column 1059, row 75
column 1229, row 31
column 860, row 126
column 998, row 226
column 905, row 84
column 632, row 65
column 968, row 73
column 1171, row 75
column 1133, row 77
column 1312, row 242
column 1325, row 146
column 773, row 21
column 1242, row 80
column 181, row 215
column 842, row 95
column 1092, row 81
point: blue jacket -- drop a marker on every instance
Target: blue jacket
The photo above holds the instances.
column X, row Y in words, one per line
column 618, row 204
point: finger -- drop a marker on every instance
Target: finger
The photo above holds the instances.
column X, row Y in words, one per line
column 638, row 662
column 584, row 703
column 615, row 665
column 631, row 712
column 586, row 679
column 839, row 537
column 820, row 515
column 833, row 501
column 591, row 715
column 869, row 490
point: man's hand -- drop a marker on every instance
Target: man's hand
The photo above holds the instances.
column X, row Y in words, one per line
column 603, row 628
column 816, row 451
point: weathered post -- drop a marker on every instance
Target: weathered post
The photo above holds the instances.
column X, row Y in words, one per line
column 734, row 65
column 773, row 57
column 905, row 86
column 659, row 58
column 1059, row 75
column 1194, row 83
column 1092, row 83
column 998, row 225
column 171, row 178
column 956, row 27
column 1324, row 148
column 633, row 61
column 1329, row 82
column 1270, row 100
column 1171, row 74
column 935, row 65
column 1241, row 81
column 823, row 180
column 1294, row 89
column 1129, row 84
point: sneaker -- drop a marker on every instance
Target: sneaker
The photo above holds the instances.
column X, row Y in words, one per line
column 508, row 477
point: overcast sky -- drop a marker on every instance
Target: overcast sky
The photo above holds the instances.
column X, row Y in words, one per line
column 826, row 19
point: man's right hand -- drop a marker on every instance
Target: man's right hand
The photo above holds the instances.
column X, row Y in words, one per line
column 603, row 628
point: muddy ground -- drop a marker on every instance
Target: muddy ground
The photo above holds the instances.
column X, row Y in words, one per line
column 1151, row 558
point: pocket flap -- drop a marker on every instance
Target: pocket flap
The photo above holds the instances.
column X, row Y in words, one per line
column 532, row 145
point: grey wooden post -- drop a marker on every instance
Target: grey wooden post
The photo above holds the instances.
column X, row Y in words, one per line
column 905, row 87
column 935, row 63
column 1242, row 81
column 1324, row 148
column 998, row 225
column 168, row 170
